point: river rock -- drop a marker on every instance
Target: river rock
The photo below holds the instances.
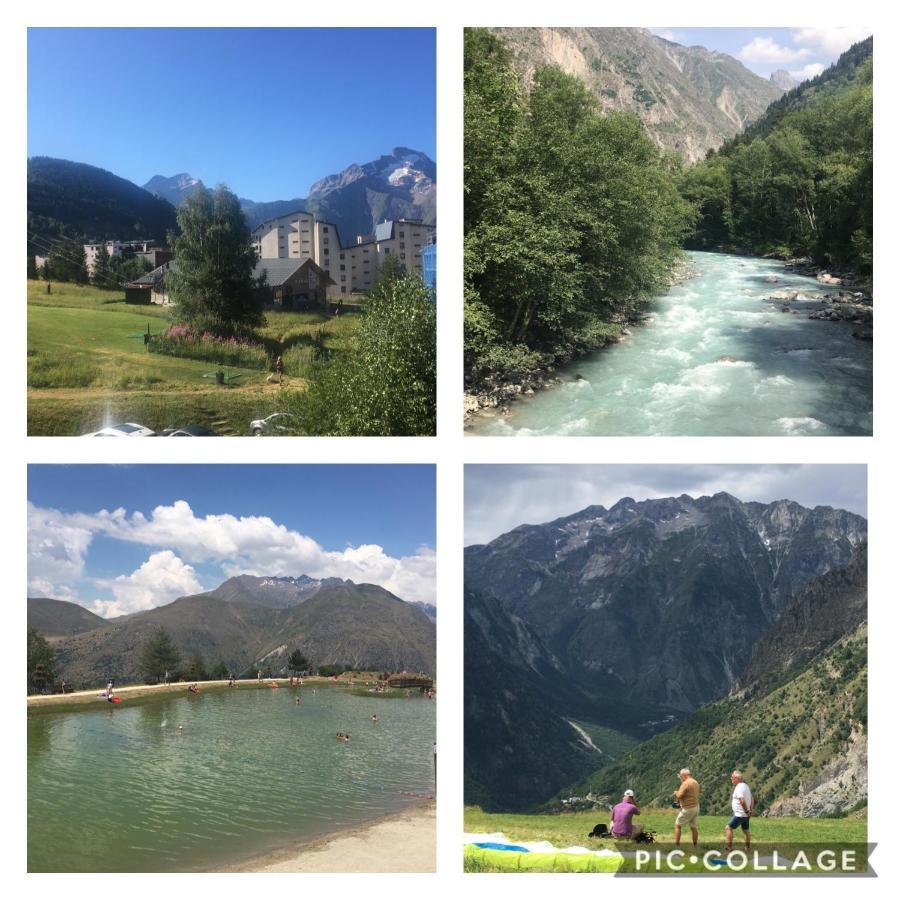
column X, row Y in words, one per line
column 784, row 295
column 826, row 278
column 772, row 279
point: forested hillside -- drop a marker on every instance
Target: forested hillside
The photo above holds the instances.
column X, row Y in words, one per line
column 799, row 181
column 82, row 202
column 801, row 746
column 572, row 217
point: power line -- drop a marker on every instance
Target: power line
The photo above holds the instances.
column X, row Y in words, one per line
column 106, row 272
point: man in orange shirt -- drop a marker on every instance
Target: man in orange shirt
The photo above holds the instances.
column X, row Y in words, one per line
column 688, row 798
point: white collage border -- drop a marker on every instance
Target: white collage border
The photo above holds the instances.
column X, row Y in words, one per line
column 450, row 450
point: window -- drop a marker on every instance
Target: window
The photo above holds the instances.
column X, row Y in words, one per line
column 343, row 267
column 402, row 256
column 325, row 251
column 325, row 240
column 387, row 251
column 342, row 256
column 402, row 234
column 343, row 277
column 325, row 229
column 402, row 245
column 343, row 289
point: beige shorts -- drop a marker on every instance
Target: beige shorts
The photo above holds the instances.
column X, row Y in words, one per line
column 687, row 816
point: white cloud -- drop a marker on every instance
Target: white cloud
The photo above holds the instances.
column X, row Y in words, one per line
column 807, row 72
column 499, row 498
column 830, row 41
column 160, row 580
column 669, row 34
column 766, row 50
column 57, row 545
column 255, row 545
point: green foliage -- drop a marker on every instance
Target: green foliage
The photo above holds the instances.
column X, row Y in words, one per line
column 297, row 662
column 66, row 262
column 197, row 669
column 799, row 182
column 213, row 284
column 41, row 659
column 219, row 671
column 774, row 737
column 386, row 384
column 571, row 216
column 158, row 656
column 330, row 670
column 237, row 352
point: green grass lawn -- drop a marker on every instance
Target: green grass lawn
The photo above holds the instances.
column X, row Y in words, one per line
column 573, row 829
column 88, row 366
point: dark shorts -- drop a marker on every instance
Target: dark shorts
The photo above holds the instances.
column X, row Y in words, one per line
column 743, row 821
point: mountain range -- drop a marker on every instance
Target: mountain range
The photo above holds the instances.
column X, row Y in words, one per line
column 80, row 201
column 632, row 618
column 399, row 184
column 248, row 622
column 689, row 99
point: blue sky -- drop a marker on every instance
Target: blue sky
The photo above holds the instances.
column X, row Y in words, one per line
column 267, row 111
column 186, row 528
column 804, row 52
column 499, row 498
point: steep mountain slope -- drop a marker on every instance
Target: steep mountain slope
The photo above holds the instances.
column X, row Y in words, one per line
column 400, row 184
column 275, row 592
column 801, row 745
column 517, row 739
column 58, row 618
column 690, row 99
column 359, row 625
column 826, row 610
column 650, row 610
column 835, row 80
column 87, row 203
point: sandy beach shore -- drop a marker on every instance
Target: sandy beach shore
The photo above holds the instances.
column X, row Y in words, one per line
column 402, row 842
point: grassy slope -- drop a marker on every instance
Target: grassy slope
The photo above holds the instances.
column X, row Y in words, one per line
column 573, row 828
column 85, row 370
column 778, row 739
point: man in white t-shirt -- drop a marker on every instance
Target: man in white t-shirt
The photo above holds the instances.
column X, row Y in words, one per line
column 741, row 809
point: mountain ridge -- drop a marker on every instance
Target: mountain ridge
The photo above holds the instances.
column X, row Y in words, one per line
column 620, row 597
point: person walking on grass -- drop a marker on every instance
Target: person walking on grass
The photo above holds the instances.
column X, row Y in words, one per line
column 741, row 809
column 623, row 812
column 688, row 798
column 279, row 369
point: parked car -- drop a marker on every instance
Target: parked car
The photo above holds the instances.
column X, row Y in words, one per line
column 189, row 431
column 277, row 423
column 126, row 429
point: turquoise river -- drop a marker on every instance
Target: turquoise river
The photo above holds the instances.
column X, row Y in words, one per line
column 125, row 790
column 715, row 357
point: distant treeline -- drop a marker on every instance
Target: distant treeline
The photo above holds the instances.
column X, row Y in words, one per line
column 799, row 181
column 571, row 216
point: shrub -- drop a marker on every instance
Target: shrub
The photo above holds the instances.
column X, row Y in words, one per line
column 237, row 350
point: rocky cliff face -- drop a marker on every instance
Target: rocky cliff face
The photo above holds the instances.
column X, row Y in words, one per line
column 690, row 99
column 399, row 184
column 646, row 611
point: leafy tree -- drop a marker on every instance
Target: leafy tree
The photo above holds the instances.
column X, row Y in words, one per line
column 101, row 265
column 386, row 384
column 298, row 663
column 41, row 660
column 219, row 671
column 332, row 669
column 572, row 217
column 66, row 262
column 31, row 268
column 212, row 282
column 197, row 669
column 159, row 655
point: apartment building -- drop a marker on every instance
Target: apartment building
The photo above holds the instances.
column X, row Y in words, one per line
column 352, row 268
column 149, row 250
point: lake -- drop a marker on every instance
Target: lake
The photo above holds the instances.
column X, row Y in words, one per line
column 123, row 790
